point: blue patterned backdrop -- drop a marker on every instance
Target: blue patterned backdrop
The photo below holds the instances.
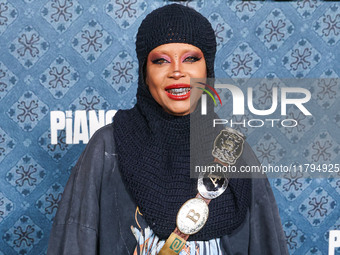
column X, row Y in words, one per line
column 69, row 55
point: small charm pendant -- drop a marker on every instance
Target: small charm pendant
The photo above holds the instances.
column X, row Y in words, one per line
column 212, row 185
column 192, row 216
column 228, row 146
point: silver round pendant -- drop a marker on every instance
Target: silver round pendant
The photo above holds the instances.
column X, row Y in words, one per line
column 192, row 216
column 211, row 186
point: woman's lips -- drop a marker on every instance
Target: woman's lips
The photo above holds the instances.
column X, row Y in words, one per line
column 178, row 91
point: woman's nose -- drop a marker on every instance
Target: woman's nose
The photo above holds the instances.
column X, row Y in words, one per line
column 177, row 71
column 177, row 74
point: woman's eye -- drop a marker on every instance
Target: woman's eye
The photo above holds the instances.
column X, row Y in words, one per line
column 191, row 59
column 160, row 61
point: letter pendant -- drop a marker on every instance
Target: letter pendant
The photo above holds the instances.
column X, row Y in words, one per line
column 214, row 180
column 192, row 216
column 173, row 245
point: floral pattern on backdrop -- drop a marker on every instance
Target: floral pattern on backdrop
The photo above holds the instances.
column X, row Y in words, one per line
column 69, row 55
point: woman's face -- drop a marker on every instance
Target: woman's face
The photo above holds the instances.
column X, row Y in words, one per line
column 168, row 71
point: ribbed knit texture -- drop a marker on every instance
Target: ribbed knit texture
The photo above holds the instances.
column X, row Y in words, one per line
column 176, row 24
column 154, row 147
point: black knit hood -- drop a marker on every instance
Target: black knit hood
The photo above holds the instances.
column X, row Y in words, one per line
column 153, row 146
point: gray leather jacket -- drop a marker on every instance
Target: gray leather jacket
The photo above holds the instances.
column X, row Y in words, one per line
column 96, row 212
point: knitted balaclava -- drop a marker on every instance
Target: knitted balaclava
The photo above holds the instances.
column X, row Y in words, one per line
column 176, row 24
column 173, row 24
column 153, row 146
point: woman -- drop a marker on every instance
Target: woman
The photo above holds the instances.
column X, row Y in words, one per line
column 133, row 176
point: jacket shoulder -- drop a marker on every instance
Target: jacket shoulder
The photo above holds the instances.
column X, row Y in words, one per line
column 104, row 133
